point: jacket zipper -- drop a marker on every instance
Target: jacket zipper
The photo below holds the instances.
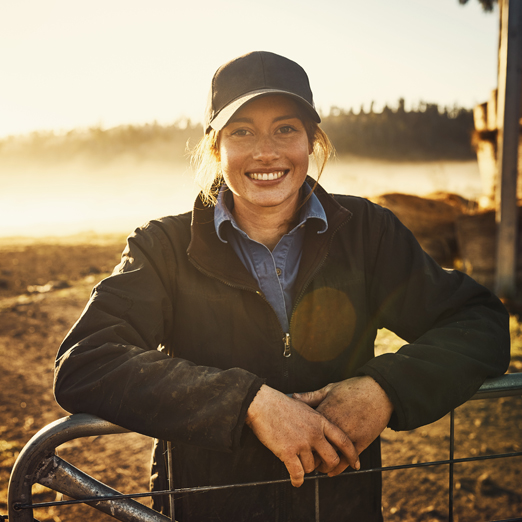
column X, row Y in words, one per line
column 286, row 340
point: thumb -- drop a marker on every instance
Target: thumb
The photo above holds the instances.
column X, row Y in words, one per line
column 313, row 398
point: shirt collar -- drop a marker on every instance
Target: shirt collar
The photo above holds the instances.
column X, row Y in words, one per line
column 312, row 209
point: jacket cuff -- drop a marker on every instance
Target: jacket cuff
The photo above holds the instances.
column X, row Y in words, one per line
column 398, row 417
column 249, row 397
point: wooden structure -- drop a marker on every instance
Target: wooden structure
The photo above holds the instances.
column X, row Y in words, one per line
column 498, row 135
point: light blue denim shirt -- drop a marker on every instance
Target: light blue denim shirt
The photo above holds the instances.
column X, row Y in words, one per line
column 275, row 271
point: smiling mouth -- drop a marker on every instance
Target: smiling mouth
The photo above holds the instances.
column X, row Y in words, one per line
column 266, row 176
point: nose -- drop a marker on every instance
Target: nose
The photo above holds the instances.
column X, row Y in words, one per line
column 265, row 149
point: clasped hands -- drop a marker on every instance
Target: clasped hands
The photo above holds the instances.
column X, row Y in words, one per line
column 324, row 430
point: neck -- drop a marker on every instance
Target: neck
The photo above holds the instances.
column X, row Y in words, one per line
column 266, row 227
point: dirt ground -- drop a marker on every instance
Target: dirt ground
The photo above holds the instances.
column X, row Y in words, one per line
column 44, row 284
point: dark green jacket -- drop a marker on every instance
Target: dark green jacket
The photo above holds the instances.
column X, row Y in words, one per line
column 176, row 343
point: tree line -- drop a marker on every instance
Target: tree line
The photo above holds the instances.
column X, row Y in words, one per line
column 426, row 132
column 167, row 143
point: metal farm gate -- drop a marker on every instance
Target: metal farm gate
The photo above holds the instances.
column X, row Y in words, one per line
column 38, row 463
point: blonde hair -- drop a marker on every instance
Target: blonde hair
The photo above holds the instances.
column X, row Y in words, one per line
column 206, row 161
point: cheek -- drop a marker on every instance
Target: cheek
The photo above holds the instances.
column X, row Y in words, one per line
column 230, row 158
column 302, row 156
column 224, row 161
column 230, row 168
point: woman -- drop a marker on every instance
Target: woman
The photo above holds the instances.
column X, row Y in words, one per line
column 270, row 287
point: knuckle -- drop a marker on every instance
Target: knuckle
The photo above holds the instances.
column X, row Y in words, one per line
column 345, row 441
column 297, row 477
column 331, row 462
column 335, row 459
column 286, row 458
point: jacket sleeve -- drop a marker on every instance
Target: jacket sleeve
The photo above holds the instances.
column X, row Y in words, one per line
column 457, row 330
column 109, row 364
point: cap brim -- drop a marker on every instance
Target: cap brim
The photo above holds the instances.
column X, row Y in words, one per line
column 222, row 118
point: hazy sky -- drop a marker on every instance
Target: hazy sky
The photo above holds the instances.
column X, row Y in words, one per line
column 70, row 63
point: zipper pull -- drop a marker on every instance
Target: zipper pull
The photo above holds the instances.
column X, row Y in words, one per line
column 286, row 340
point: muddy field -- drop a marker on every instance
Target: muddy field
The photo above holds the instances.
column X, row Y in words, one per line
column 44, row 285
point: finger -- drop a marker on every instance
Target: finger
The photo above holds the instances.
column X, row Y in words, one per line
column 313, row 398
column 341, row 441
column 328, row 455
column 295, row 469
column 343, row 464
column 323, row 468
column 307, row 461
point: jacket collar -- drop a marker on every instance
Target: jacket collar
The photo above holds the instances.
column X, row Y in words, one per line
column 219, row 260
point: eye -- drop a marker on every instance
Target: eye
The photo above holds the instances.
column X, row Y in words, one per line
column 286, row 129
column 241, row 132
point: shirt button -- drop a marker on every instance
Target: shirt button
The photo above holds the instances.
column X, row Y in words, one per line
column 279, row 271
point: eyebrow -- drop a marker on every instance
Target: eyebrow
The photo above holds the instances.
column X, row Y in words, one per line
column 250, row 120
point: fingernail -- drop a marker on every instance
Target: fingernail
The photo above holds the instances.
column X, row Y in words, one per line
column 358, row 465
column 297, row 395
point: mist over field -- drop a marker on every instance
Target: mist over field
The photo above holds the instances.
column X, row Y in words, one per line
column 39, row 199
column 70, row 198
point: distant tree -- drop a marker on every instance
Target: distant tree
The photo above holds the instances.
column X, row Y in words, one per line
column 428, row 132
column 487, row 5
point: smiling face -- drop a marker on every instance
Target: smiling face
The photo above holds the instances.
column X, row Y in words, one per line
column 264, row 152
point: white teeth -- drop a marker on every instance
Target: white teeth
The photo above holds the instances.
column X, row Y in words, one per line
column 266, row 176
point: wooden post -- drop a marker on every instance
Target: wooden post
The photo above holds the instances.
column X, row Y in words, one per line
column 508, row 116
